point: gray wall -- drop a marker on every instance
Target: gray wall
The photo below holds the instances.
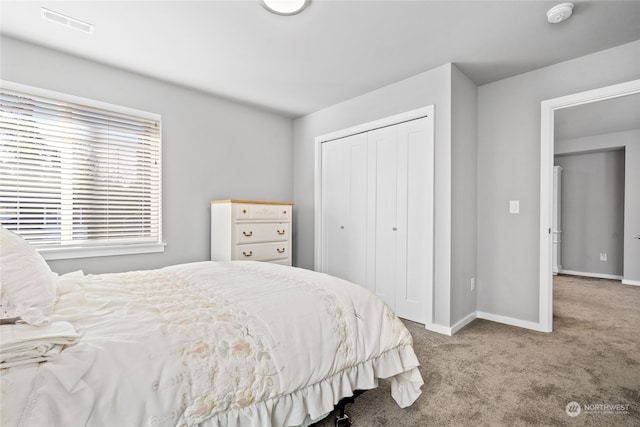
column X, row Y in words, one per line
column 464, row 212
column 509, row 169
column 212, row 148
column 630, row 142
column 592, row 210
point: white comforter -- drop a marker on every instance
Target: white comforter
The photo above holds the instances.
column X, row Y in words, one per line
column 212, row 344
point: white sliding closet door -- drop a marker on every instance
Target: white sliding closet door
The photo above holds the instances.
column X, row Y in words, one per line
column 344, row 207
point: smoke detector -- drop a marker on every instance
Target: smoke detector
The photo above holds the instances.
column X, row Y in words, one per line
column 560, row 13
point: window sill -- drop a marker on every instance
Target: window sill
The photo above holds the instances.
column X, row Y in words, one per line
column 51, row 254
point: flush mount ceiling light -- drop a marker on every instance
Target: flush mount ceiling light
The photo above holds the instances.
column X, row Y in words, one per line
column 285, row 7
column 65, row 20
column 560, row 13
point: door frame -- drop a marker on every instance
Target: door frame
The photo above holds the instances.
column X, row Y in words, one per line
column 548, row 108
column 427, row 111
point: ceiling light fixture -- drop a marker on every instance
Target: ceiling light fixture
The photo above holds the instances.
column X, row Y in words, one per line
column 285, row 7
column 65, row 20
column 560, row 13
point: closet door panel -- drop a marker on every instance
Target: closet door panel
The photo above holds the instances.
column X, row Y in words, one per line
column 402, row 220
column 385, row 207
column 334, row 204
column 416, row 184
column 357, row 210
column 344, row 193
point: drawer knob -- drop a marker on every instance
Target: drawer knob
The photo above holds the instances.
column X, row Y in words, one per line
column 244, row 211
column 247, row 254
column 280, row 251
column 247, row 234
column 280, row 232
column 284, row 212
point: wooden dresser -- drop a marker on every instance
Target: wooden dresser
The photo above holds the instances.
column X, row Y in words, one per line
column 251, row 230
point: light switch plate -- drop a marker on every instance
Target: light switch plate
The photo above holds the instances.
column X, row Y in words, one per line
column 514, row 206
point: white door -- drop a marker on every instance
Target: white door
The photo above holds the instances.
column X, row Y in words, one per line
column 356, row 260
column 377, row 213
column 384, row 181
column 401, row 263
column 344, row 208
column 334, row 198
column 414, row 255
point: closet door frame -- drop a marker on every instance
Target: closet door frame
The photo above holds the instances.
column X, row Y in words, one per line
column 427, row 111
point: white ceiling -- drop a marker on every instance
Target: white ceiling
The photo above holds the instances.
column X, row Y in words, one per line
column 333, row 51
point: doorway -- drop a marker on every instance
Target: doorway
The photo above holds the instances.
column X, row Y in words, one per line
column 591, row 211
column 548, row 110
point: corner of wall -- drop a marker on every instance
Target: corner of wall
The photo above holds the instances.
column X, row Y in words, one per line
column 464, row 119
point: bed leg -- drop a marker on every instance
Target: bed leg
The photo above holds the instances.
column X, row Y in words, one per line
column 342, row 419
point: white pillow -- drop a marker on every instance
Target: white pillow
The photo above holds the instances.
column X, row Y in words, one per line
column 28, row 287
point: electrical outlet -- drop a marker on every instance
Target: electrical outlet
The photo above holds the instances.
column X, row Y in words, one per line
column 473, row 283
column 603, row 256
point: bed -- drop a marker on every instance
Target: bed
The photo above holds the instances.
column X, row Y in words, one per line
column 208, row 343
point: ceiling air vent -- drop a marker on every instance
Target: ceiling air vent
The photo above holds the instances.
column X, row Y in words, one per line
column 67, row 21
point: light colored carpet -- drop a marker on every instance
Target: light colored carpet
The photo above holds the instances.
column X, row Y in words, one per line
column 490, row 374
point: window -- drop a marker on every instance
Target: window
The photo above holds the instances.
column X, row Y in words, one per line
column 78, row 177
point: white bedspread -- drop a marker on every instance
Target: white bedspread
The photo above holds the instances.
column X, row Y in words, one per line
column 213, row 344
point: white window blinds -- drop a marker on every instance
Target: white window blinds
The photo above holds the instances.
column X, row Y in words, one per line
column 78, row 174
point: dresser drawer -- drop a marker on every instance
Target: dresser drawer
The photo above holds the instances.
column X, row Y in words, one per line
column 262, row 232
column 262, row 251
column 262, row 212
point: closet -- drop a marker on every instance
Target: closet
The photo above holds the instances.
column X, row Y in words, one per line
column 376, row 211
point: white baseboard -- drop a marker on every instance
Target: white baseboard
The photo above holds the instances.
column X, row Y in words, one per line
column 596, row 275
column 464, row 322
column 446, row 330
column 510, row 321
column 433, row 327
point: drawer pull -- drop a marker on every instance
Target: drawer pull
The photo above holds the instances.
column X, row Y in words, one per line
column 247, row 254
column 280, row 251
column 284, row 212
column 280, row 232
column 244, row 211
column 249, row 234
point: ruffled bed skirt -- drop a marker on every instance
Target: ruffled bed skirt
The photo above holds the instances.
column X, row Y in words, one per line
column 313, row 403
